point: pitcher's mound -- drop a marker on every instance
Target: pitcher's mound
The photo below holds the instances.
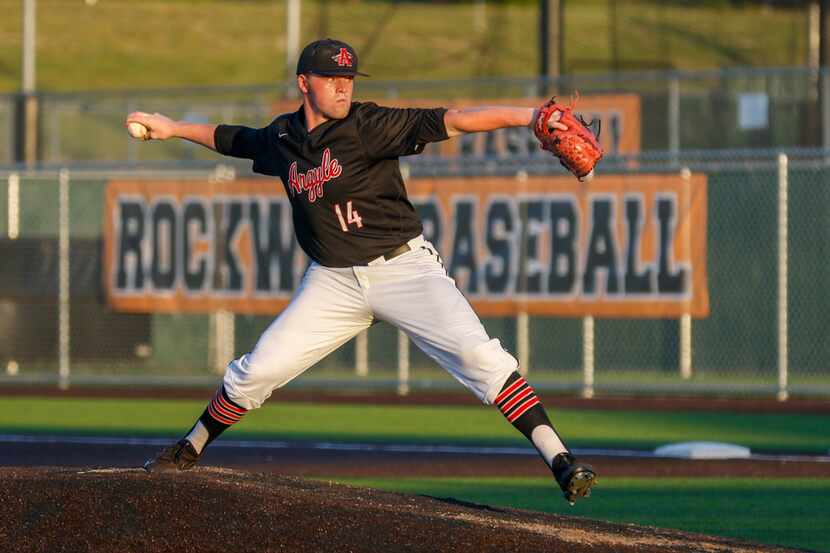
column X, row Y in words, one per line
column 210, row 509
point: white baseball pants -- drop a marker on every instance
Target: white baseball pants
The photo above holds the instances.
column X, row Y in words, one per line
column 411, row 291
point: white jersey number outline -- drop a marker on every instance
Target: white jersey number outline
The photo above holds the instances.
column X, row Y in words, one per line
column 352, row 217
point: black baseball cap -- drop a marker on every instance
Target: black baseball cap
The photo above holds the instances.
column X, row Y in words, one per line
column 328, row 57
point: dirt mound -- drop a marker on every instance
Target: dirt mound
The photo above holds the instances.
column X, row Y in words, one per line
column 210, row 509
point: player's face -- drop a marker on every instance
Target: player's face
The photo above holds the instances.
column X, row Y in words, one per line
column 330, row 95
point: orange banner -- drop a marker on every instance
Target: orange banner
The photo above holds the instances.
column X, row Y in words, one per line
column 197, row 246
column 620, row 246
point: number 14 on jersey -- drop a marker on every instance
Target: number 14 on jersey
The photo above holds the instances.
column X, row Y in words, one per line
column 352, row 217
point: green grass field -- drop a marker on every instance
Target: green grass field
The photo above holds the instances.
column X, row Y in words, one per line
column 122, row 44
column 790, row 512
column 419, row 424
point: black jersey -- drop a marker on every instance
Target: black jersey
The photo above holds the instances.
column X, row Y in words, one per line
column 343, row 179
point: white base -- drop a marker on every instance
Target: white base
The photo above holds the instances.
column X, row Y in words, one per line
column 703, row 450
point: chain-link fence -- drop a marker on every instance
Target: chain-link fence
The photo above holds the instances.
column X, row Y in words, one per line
column 674, row 111
column 765, row 240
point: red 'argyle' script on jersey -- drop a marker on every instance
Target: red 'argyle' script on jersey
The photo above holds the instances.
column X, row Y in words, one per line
column 314, row 179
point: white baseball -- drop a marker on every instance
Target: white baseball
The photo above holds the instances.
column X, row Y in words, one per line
column 137, row 130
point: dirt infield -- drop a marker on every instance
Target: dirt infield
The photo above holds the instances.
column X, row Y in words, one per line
column 211, row 509
column 301, row 459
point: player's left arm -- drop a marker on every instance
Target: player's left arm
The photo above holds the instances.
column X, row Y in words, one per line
column 489, row 118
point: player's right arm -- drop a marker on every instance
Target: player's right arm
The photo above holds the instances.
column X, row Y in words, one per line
column 230, row 140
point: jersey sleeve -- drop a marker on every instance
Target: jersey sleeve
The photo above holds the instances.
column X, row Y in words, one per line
column 247, row 143
column 392, row 132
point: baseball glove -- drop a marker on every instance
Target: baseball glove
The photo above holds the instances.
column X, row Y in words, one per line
column 577, row 148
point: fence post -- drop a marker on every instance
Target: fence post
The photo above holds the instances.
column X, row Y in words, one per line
column 673, row 118
column 63, row 279
column 588, row 357
column 403, row 363
column 783, row 345
column 686, row 318
column 222, row 323
column 523, row 341
column 13, row 232
column 13, row 206
column 361, row 354
column 522, row 318
column 222, row 332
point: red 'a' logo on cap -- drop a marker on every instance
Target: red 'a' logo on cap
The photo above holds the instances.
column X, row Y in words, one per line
column 343, row 58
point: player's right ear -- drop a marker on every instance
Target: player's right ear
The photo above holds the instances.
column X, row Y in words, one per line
column 302, row 83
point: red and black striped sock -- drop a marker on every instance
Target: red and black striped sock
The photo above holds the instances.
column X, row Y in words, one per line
column 220, row 414
column 519, row 404
column 522, row 408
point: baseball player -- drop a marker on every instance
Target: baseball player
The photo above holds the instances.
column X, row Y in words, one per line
column 338, row 161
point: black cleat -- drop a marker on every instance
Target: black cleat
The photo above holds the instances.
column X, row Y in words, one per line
column 179, row 456
column 575, row 478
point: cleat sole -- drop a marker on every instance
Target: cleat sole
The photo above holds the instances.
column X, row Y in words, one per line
column 580, row 485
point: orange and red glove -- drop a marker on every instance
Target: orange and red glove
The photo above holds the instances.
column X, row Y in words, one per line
column 577, row 148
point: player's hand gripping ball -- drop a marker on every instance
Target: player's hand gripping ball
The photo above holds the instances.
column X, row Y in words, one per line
column 577, row 148
column 139, row 131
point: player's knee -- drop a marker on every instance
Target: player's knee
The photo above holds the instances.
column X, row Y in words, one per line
column 254, row 376
column 489, row 366
column 246, row 382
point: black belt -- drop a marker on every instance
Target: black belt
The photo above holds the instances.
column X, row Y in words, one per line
column 402, row 249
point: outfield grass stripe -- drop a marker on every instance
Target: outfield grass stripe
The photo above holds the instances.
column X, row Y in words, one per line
column 457, row 425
